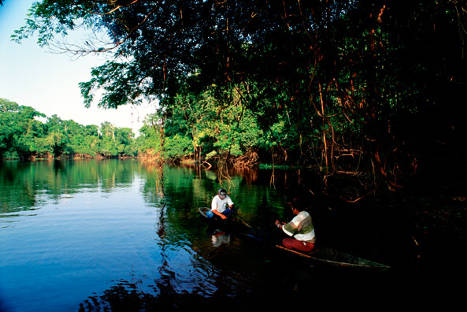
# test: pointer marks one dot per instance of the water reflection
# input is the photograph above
(27, 185)
(128, 297)
(23, 185)
(80, 226)
(69, 228)
(220, 237)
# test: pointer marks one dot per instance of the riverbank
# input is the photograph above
(68, 157)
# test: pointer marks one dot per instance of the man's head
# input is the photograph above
(293, 204)
(222, 193)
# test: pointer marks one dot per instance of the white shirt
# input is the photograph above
(219, 204)
(301, 227)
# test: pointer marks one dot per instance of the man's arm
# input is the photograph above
(230, 202)
(219, 214)
(290, 228)
(214, 208)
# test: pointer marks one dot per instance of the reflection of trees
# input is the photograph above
(164, 270)
(226, 174)
(248, 175)
(22, 184)
(127, 297)
(119, 298)
(154, 190)
(213, 279)
(177, 193)
(185, 191)
(152, 174)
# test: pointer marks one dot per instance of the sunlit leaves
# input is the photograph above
(24, 135)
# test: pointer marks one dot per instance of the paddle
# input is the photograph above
(293, 251)
(253, 232)
(243, 221)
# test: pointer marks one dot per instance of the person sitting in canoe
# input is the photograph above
(301, 228)
(221, 205)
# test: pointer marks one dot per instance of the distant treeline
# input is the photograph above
(28, 134)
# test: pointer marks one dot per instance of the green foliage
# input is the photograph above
(18, 128)
(149, 140)
(24, 136)
(209, 124)
(309, 79)
(178, 146)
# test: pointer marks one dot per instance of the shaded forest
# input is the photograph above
(346, 87)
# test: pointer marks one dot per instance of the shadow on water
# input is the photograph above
(128, 298)
(240, 273)
(292, 286)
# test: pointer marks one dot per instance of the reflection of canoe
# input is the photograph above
(334, 257)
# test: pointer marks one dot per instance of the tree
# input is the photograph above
(23, 134)
(323, 79)
(149, 141)
(57, 136)
(18, 128)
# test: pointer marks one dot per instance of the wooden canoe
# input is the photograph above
(330, 256)
(215, 220)
(203, 212)
(234, 222)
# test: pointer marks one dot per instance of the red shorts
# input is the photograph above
(292, 243)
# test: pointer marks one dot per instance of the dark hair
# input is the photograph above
(298, 203)
(221, 191)
(293, 201)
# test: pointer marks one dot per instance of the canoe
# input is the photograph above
(203, 212)
(327, 256)
(216, 220)
(234, 222)
(330, 256)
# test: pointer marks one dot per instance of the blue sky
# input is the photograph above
(32, 76)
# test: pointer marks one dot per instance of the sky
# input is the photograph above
(33, 76)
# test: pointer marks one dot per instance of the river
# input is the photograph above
(123, 236)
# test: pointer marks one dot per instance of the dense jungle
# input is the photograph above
(367, 95)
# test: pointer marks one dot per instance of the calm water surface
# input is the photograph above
(90, 235)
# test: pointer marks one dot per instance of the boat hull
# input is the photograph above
(330, 256)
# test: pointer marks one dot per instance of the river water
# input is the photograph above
(122, 236)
